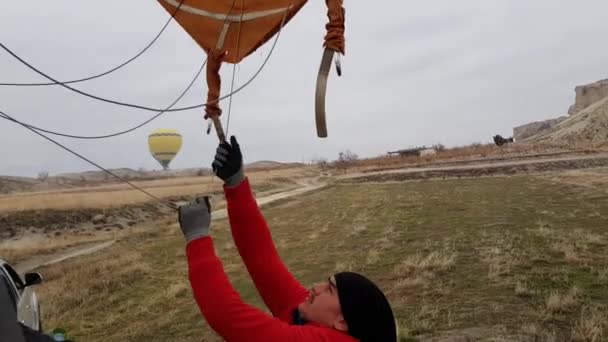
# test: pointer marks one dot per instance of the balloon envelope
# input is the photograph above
(164, 145)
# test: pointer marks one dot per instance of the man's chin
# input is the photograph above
(303, 307)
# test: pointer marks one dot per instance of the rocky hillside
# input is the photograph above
(14, 184)
(586, 127)
(64, 181)
(528, 130)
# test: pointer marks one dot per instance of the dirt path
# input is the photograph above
(44, 260)
(222, 213)
(483, 169)
(90, 248)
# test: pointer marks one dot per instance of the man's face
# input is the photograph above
(322, 306)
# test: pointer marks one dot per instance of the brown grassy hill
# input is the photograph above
(586, 129)
(268, 164)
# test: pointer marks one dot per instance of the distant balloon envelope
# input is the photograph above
(164, 144)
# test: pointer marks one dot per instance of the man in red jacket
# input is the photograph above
(347, 307)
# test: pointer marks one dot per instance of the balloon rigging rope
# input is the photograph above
(238, 46)
(168, 204)
(240, 88)
(36, 130)
(88, 78)
(92, 137)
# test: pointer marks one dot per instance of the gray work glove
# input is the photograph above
(195, 218)
(228, 163)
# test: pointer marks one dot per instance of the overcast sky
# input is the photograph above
(415, 73)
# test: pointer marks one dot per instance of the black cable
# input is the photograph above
(121, 132)
(130, 129)
(10, 118)
(144, 107)
(238, 45)
(160, 111)
(111, 70)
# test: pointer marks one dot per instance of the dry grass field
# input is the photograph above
(463, 154)
(521, 258)
(35, 224)
(116, 195)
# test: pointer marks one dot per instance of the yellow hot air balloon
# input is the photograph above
(164, 144)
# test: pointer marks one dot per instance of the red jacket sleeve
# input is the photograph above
(234, 320)
(277, 286)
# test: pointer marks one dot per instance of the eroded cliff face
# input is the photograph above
(586, 126)
(533, 128)
(587, 129)
(588, 94)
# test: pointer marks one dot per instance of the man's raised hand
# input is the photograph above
(228, 163)
(195, 218)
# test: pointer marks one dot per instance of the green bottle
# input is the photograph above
(59, 334)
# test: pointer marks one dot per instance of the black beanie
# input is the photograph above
(365, 309)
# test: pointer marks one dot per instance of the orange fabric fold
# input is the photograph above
(334, 39)
(214, 84)
(210, 22)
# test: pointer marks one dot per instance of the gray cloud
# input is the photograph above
(415, 73)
